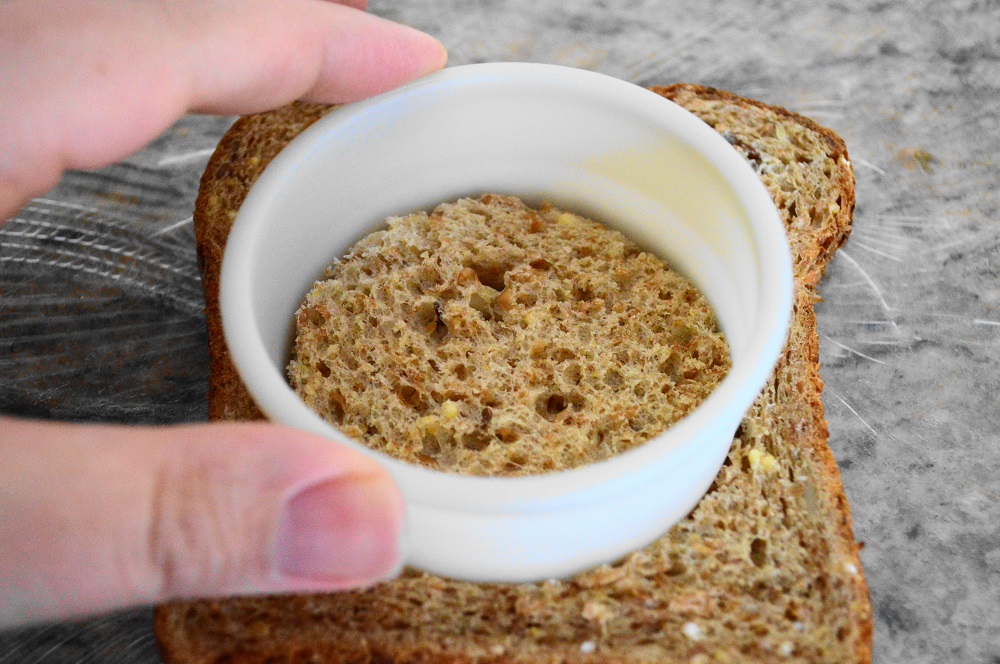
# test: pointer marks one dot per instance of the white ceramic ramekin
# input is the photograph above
(583, 141)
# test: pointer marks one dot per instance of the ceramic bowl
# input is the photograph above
(586, 142)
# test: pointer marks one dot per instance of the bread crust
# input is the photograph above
(811, 255)
(780, 455)
(239, 159)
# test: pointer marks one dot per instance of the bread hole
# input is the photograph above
(540, 264)
(476, 440)
(440, 330)
(425, 317)
(336, 404)
(672, 366)
(409, 396)
(446, 293)
(466, 277)
(549, 406)
(758, 551)
(681, 334)
(488, 398)
(483, 304)
(507, 434)
(639, 390)
(430, 447)
(429, 278)
(563, 354)
(486, 415)
(745, 465)
(460, 371)
(526, 299)
(584, 252)
(691, 373)
(677, 566)
(582, 294)
(430, 444)
(315, 317)
(622, 357)
(573, 373)
(613, 378)
(323, 369)
(516, 460)
(433, 365)
(490, 274)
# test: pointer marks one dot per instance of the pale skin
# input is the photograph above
(95, 518)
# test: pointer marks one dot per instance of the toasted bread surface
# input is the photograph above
(764, 569)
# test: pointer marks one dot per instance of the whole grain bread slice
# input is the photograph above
(764, 569)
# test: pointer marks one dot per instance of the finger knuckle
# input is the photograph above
(194, 536)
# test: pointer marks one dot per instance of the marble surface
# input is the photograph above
(100, 299)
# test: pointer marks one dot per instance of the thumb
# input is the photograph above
(94, 518)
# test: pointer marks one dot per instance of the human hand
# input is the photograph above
(94, 518)
(84, 83)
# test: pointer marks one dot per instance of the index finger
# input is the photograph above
(88, 82)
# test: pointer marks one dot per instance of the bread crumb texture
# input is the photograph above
(491, 338)
(765, 566)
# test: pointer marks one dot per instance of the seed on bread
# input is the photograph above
(491, 338)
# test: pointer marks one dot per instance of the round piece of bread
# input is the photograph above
(490, 338)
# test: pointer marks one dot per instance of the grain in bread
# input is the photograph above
(764, 569)
(491, 338)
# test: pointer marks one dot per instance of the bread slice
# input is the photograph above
(764, 569)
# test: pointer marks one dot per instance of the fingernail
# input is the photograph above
(344, 529)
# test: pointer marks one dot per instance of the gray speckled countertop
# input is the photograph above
(909, 326)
